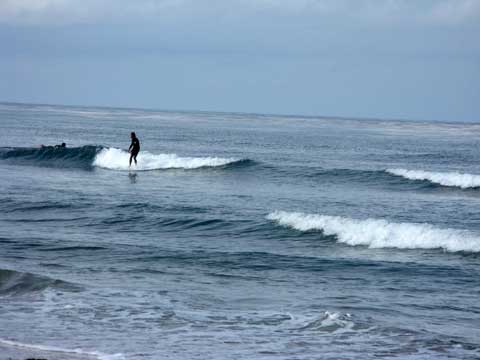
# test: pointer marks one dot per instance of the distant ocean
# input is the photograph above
(237, 236)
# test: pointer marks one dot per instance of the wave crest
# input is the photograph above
(117, 159)
(74, 157)
(377, 233)
(453, 179)
(14, 283)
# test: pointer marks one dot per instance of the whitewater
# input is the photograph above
(236, 236)
(379, 233)
(454, 179)
(117, 159)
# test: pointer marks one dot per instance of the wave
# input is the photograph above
(367, 177)
(88, 157)
(56, 351)
(377, 233)
(329, 322)
(451, 179)
(75, 157)
(117, 159)
(14, 283)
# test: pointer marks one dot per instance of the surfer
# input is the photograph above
(134, 148)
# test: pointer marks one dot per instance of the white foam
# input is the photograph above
(376, 233)
(95, 354)
(456, 179)
(328, 322)
(117, 159)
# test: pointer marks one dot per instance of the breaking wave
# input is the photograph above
(117, 159)
(14, 283)
(329, 322)
(377, 233)
(453, 179)
(88, 157)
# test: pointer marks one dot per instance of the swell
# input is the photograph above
(75, 157)
(449, 179)
(416, 179)
(89, 157)
(12, 205)
(15, 283)
(379, 233)
(226, 264)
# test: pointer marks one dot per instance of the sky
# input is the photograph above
(392, 59)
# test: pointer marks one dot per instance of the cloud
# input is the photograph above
(60, 12)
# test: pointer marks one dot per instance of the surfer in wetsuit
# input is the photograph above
(134, 148)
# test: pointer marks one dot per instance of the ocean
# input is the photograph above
(237, 236)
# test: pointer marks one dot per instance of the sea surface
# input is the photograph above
(237, 236)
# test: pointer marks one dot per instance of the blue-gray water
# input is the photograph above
(264, 237)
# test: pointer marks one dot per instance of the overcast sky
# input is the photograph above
(409, 59)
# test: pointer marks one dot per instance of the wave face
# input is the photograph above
(117, 159)
(376, 233)
(14, 283)
(453, 179)
(87, 157)
(75, 157)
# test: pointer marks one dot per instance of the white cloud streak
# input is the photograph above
(58, 12)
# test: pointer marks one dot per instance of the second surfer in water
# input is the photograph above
(134, 148)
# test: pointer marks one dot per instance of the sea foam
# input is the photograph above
(117, 159)
(455, 179)
(377, 233)
(60, 351)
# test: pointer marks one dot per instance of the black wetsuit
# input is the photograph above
(135, 146)
(134, 149)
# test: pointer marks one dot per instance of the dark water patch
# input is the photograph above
(210, 224)
(74, 248)
(192, 223)
(257, 261)
(239, 164)
(145, 206)
(226, 262)
(122, 219)
(50, 156)
(14, 283)
(47, 220)
(26, 245)
(21, 206)
(53, 265)
(228, 276)
(142, 271)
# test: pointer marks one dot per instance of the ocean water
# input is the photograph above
(237, 236)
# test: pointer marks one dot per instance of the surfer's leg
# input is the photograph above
(130, 161)
(135, 158)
